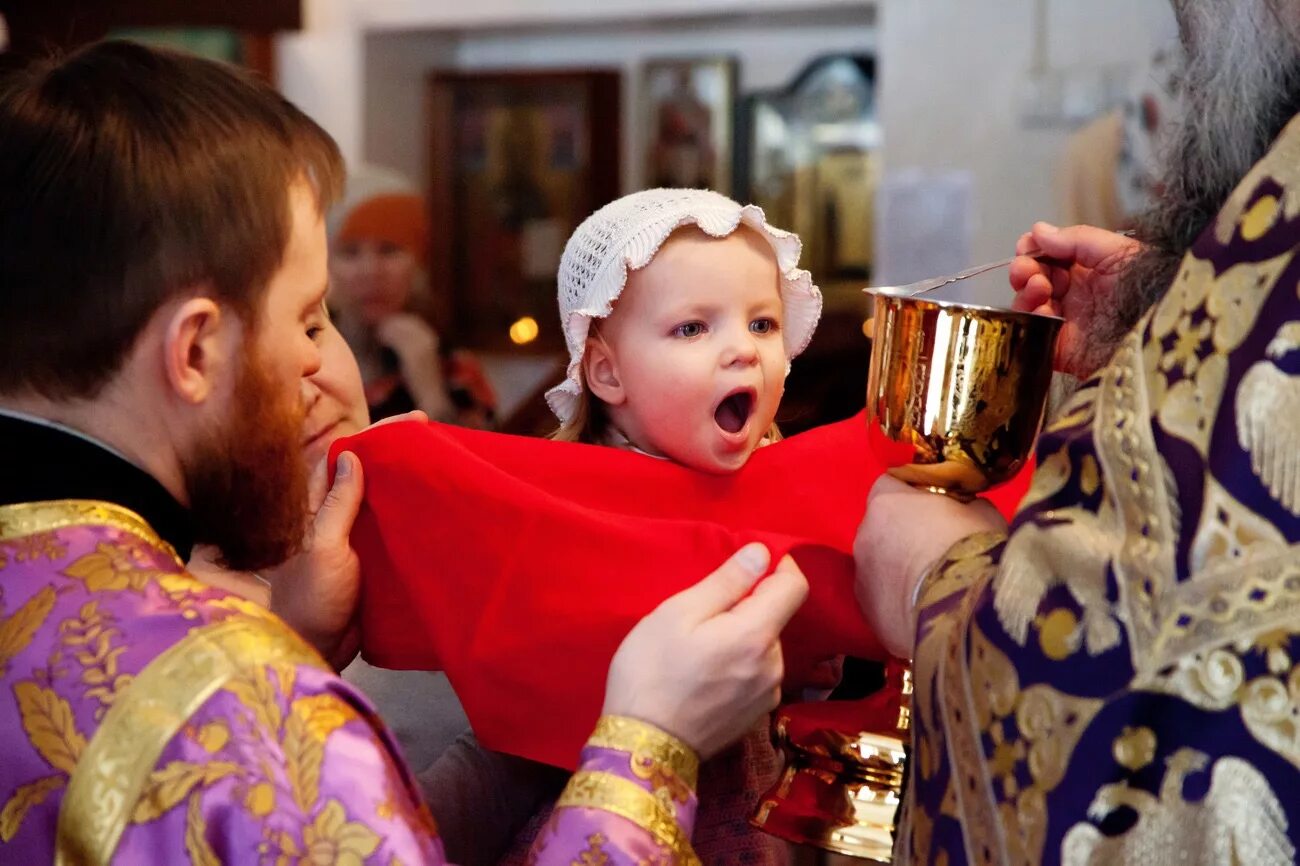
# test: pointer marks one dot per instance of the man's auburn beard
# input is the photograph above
(248, 481)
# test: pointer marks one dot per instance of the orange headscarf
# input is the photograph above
(398, 218)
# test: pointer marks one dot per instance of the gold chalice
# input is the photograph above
(955, 398)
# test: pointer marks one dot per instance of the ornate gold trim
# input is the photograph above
(647, 743)
(625, 798)
(29, 518)
(112, 772)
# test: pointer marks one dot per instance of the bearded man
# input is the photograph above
(1116, 679)
(162, 276)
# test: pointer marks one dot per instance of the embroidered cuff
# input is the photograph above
(657, 756)
(607, 792)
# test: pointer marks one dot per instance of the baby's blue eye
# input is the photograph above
(689, 330)
(762, 326)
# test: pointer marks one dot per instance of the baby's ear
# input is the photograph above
(601, 372)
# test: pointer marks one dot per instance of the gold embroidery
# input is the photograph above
(1260, 218)
(594, 855)
(1237, 297)
(260, 800)
(1191, 405)
(1049, 725)
(967, 561)
(1229, 533)
(47, 719)
(1072, 548)
(174, 782)
(1270, 708)
(1137, 508)
(117, 764)
(111, 567)
(311, 720)
(196, 836)
(18, 629)
(1239, 821)
(1247, 596)
(1134, 748)
(29, 518)
(1279, 165)
(24, 800)
(212, 737)
(656, 755)
(627, 799)
(41, 545)
(90, 640)
(1268, 420)
(333, 840)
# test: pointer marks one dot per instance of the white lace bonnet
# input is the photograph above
(625, 235)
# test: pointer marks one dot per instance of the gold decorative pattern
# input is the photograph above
(18, 629)
(594, 854)
(196, 838)
(1240, 820)
(29, 548)
(115, 769)
(1135, 484)
(50, 726)
(625, 798)
(29, 518)
(24, 800)
(333, 840)
(1268, 420)
(1135, 748)
(656, 755)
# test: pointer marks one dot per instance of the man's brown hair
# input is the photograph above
(129, 175)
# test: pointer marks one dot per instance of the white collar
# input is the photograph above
(615, 438)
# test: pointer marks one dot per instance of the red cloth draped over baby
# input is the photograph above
(518, 565)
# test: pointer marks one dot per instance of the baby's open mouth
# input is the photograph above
(733, 412)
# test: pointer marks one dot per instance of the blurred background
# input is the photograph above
(900, 138)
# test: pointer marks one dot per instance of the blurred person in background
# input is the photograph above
(380, 294)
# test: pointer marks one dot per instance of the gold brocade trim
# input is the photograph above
(29, 518)
(627, 799)
(647, 743)
(112, 772)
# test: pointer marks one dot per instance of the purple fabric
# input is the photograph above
(284, 760)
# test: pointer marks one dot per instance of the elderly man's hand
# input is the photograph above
(904, 533)
(706, 664)
(1076, 282)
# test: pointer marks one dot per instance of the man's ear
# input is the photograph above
(197, 348)
(601, 372)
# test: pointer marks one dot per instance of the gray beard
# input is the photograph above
(1240, 87)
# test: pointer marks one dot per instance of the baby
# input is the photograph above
(682, 310)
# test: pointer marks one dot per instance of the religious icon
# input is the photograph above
(688, 118)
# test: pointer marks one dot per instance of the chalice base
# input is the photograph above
(846, 806)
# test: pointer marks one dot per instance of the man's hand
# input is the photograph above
(316, 591)
(1075, 281)
(706, 664)
(904, 533)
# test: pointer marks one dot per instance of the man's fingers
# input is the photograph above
(731, 582)
(414, 415)
(339, 510)
(776, 598)
(1088, 246)
(318, 484)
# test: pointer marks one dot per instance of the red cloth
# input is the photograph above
(517, 565)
